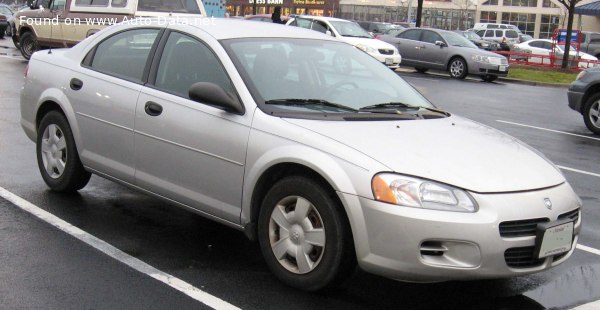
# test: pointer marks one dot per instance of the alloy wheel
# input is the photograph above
(54, 151)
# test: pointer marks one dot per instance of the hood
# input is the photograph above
(374, 43)
(452, 150)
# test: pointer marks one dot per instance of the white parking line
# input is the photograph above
(588, 249)
(546, 129)
(579, 171)
(117, 254)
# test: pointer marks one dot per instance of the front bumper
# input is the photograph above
(392, 61)
(419, 245)
(575, 95)
(481, 68)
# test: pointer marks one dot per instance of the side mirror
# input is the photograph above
(440, 44)
(214, 95)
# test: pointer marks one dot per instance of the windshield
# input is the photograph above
(455, 39)
(174, 6)
(288, 75)
(349, 29)
(471, 35)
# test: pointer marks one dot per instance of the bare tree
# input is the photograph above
(570, 7)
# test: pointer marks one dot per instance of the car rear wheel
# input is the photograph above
(591, 114)
(57, 156)
(304, 235)
(28, 44)
(488, 78)
(458, 68)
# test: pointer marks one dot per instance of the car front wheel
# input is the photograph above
(458, 68)
(304, 235)
(591, 114)
(57, 156)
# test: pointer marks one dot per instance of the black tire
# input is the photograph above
(421, 70)
(59, 155)
(28, 45)
(458, 68)
(333, 262)
(489, 78)
(591, 114)
(15, 39)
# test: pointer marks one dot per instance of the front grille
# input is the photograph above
(386, 52)
(522, 257)
(522, 228)
(573, 215)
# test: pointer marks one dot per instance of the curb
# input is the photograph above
(503, 79)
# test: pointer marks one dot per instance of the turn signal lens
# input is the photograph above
(382, 191)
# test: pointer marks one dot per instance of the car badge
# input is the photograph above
(548, 203)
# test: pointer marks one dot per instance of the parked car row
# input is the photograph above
(352, 33)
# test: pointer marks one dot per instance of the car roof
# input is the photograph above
(324, 18)
(230, 28)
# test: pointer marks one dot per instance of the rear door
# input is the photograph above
(104, 94)
(409, 45)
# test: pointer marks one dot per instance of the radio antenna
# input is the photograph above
(51, 26)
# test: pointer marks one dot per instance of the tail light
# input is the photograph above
(378, 36)
(2, 18)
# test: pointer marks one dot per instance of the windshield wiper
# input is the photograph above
(318, 102)
(392, 107)
(387, 107)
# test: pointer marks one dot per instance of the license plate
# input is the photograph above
(501, 68)
(554, 238)
(389, 61)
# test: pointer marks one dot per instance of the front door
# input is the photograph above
(187, 151)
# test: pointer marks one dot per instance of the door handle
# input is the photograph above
(76, 84)
(153, 108)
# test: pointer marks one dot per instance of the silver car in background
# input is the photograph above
(255, 126)
(443, 50)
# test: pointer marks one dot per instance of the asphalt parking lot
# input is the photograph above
(109, 247)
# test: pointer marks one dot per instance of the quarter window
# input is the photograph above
(186, 61)
(125, 54)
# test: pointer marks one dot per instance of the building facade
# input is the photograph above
(310, 7)
(537, 18)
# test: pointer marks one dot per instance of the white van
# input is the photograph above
(485, 26)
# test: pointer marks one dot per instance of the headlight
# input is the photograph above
(396, 51)
(484, 45)
(418, 193)
(581, 75)
(479, 58)
(365, 48)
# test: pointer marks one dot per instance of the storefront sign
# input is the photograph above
(266, 1)
(310, 2)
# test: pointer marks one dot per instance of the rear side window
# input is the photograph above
(410, 35)
(174, 6)
(511, 34)
(595, 38)
(539, 44)
(91, 2)
(125, 54)
(499, 33)
(302, 23)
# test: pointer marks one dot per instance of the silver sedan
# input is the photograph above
(443, 50)
(258, 127)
